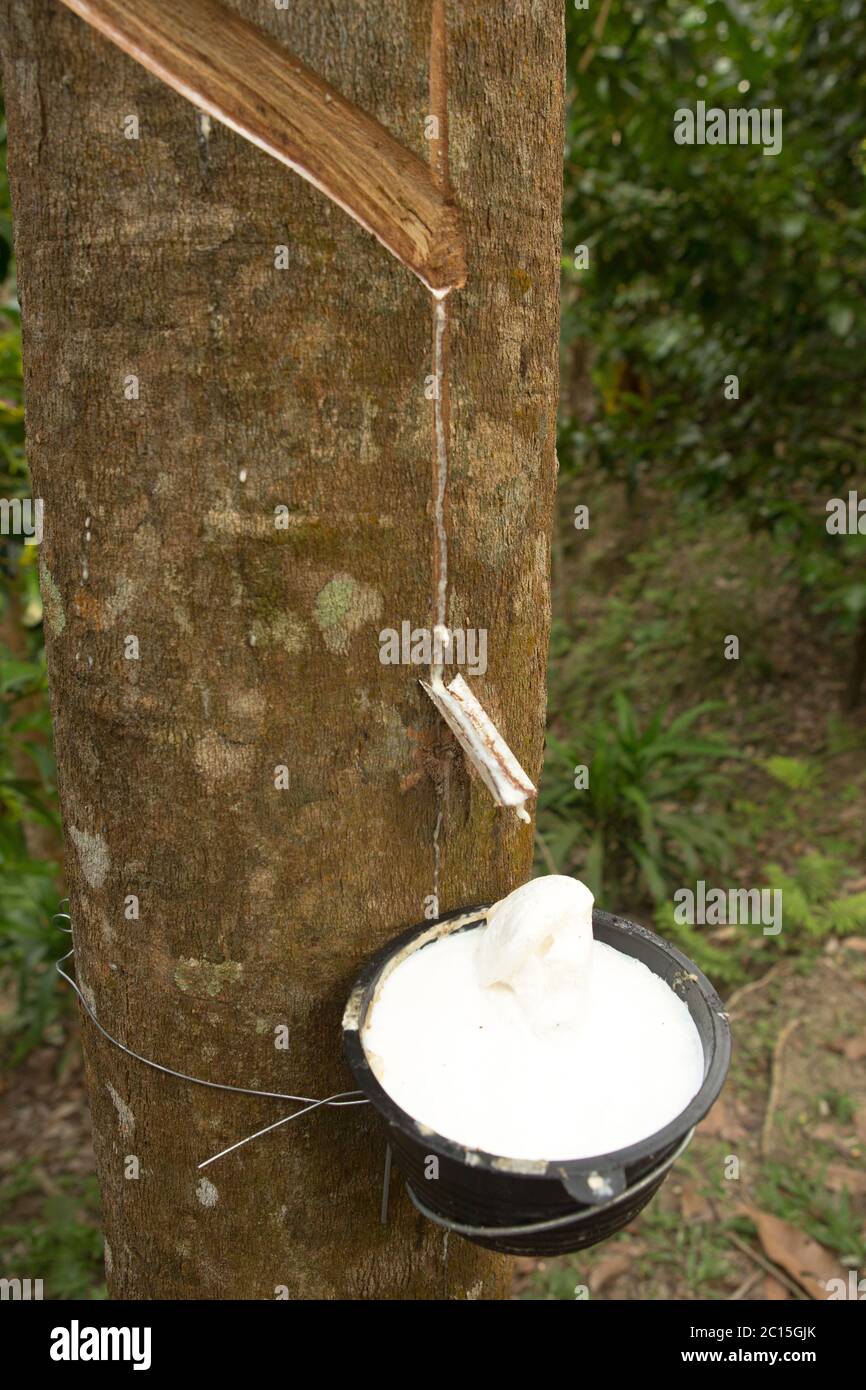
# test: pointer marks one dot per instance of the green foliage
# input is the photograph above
(648, 812)
(839, 1105)
(13, 468)
(695, 1252)
(711, 261)
(811, 904)
(804, 1201)
(795, 773)
(28, 898)
(725, 965)
(655, 616)
(847, 916)
(59, 1241)
(844, 737)
(813, 908)
(28, 884)
(830, 570)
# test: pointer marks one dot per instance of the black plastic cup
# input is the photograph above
(527, 1206)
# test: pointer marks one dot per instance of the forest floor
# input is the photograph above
(769, 1201)
(49, 1197)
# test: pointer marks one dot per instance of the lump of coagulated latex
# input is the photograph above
(528, 1039)
(538, 943)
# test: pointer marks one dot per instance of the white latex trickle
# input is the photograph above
(441, 535)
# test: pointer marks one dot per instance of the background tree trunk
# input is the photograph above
(259, 646)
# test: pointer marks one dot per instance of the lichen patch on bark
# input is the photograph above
(342, 607)
(124, 1112)
(93, 855)
(52, 602)
(283, 629)
(206, 1193)
(207, 977)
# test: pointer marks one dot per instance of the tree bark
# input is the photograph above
(857, 671)
(258, 646)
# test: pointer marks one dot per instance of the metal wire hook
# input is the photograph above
(308, 1103)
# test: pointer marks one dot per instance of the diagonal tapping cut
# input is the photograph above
(241, 76)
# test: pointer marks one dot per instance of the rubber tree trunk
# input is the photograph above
(197, 644)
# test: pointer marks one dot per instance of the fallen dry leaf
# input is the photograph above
(841, 1179)
(829, 1134)
(608, 1268)
(524, 1272)
(694, 1205)
(720, 1123)
(854, 943)
(725, 934)
(855, 1048)
(774, 1292)
(798, 1254)
(860, 1122)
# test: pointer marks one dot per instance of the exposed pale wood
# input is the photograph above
(240, 75)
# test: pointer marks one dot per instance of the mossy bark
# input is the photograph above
(256, 645)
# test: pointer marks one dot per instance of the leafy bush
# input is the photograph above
(28, 885)
(797, 774)
(811, 904)
(813, 908)
(61, 1243)
(28, 881)
(726, 965)
(647, 815)
(706, 263)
